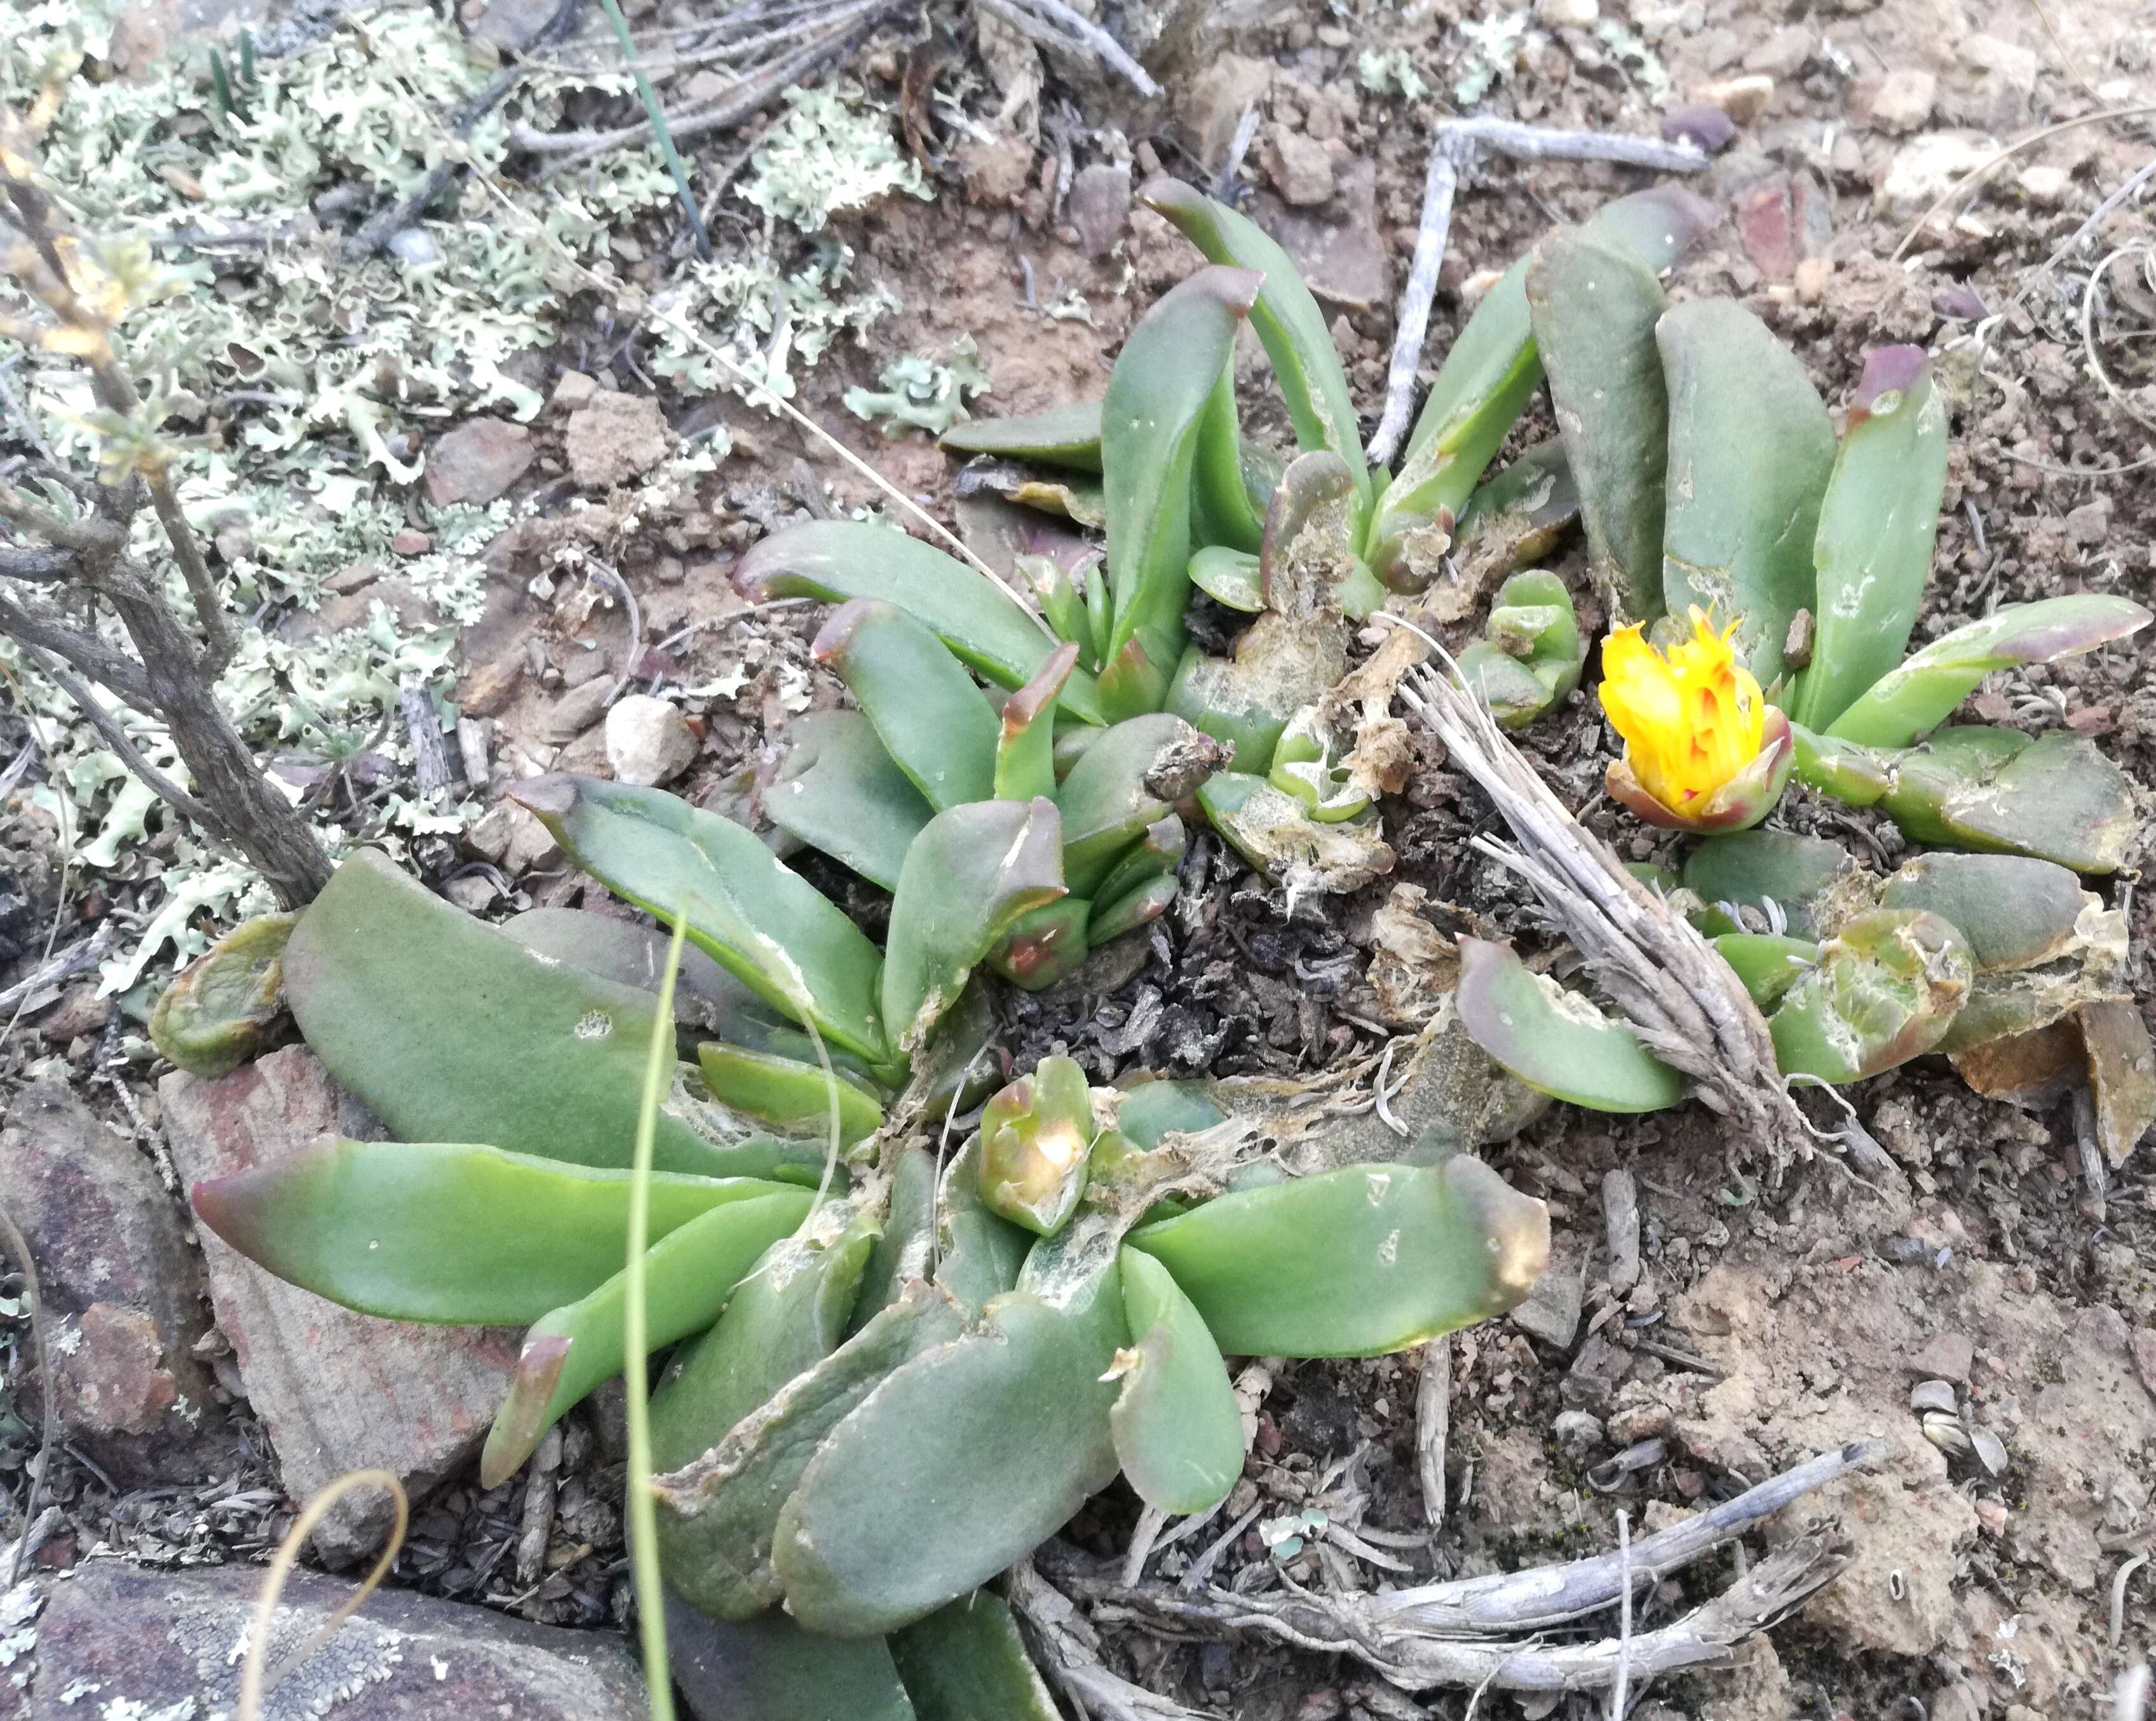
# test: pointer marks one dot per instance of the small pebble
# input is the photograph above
(1699, 124)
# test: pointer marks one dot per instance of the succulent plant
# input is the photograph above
(897, 1377)
(1305, 546)
(1973, 955)
(1709, 479)
(228, 1005)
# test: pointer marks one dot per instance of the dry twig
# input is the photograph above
(1441, 1634)
(1055, 24)
(1453, 151)
(1070, 1648)
(1676, 994)
(1434, 1425)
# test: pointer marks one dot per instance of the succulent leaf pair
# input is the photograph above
(887, 1395)
(1709, 477)
(1304, 546)
(1954, 953)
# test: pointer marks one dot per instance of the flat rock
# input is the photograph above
(1551, 1310)
(1948, 1357)
(477, 461)
(1215, 101)
(1904, 100)
(1337, 248)
(1099, 204)
(1924, 168)
(576, 711)
(649, 742)
(613, 438)
(1300, 167)
(124, 1289)
(337, 1391)
(116, 1639)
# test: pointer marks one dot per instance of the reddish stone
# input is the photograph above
(337, 1391)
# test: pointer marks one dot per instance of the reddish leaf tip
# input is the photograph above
(520, 1423)
(1023, 706)
(835, 638)
(1888, 370)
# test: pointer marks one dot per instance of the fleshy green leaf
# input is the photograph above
(1360, 1262)
(788, 1094)
(1593, 305)
(838, 559)
(771, 928)
(689, 1276)
(1750, 450)
(1492, 370)
(1754, 867)
(1222, 512)
(960, 1462)
(1108, 801)
(1034, 1136)
(1025, 747)
(1519, 515)
(979, 1255)
(1068, 435)
(1885, 989)
(1876, 533)
(717, 1512)
(932, 720)
(443, 1232)
(1229, 578)
(705, 996)
(2015, 911)
(1555, 1041)
(1153, 1110)
(1150, 422)
(784, 1320)
(787, 1317)
(971, 872)
(1178, 1429)
(840, 791)
(1768, 965)
(2057, 797)
(906, 1248)
(1112, 917)
(1045, 945)
(966, 1661)
(1296, 336)
(228, 1004)
(768, 1669)
(449, 1031)
(1158, 852)
(1922, 693)
(1532, 651)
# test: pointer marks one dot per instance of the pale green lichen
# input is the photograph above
(1493, 50)
(295, 389)
(1389, 71)
(831, 152)
(922, 394)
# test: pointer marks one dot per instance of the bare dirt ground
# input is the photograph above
(1779, 1312)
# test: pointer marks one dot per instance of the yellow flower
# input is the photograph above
(1701, 744)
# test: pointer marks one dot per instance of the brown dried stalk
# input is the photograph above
(175, 675)
(1681, 1000)
(1470, 1631)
